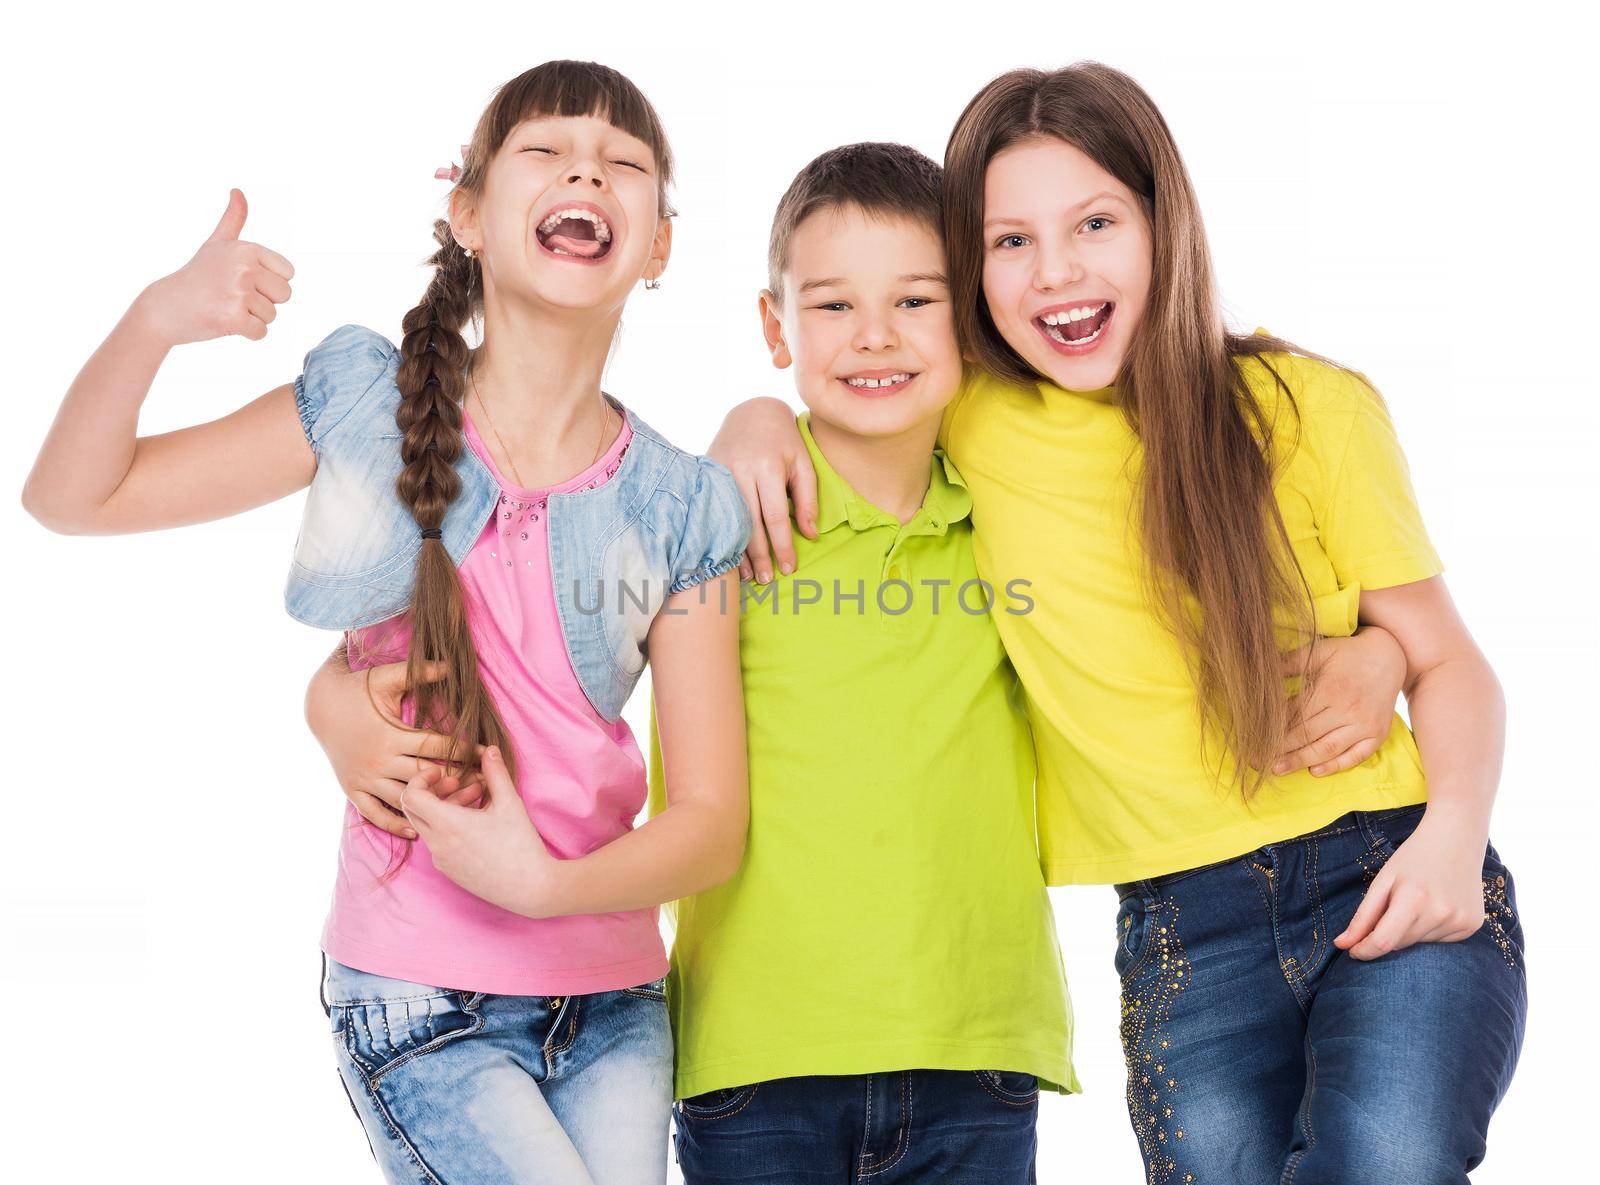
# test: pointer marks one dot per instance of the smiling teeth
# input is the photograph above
(873, 384)
(1065, 316)
(602, 228)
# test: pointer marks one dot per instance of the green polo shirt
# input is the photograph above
(890, 912)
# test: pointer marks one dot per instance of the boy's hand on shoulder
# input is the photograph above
(760, 445)
(229, 286)
(1346, 712)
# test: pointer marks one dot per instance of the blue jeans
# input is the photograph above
(465, 1088)
(960, 1127)
(1258, 1052)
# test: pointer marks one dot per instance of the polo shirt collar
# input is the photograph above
(948, 500)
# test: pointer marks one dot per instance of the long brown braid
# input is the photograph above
(431, 378)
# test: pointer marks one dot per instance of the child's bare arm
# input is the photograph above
(96, 475)
(496, 852)
(1430, 890)
(698, 841)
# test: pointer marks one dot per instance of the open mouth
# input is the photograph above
(1075, 329)
(878, 383)
(575, 231)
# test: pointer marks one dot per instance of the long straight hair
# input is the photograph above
(1220, 570)
(432, 382)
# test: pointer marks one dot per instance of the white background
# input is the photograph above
(1410, 195)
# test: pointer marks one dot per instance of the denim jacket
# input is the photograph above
(665, 521)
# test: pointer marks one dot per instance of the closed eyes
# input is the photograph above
(551, 151)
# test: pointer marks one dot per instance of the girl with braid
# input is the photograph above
(521, 541)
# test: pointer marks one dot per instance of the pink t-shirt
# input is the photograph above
(582, 780)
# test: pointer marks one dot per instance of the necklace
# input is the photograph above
(605, 420)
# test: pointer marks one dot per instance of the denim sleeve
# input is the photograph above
(715, 531)
(338, 371)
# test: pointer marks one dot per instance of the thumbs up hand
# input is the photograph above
(230, 286)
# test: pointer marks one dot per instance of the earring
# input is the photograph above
(653, 283)
(468, 250)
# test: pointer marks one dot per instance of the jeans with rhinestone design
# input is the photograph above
(1259, 1053)
(466, 1088)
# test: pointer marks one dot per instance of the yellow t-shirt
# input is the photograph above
(1126, 789)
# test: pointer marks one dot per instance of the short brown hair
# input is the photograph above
(889, 180)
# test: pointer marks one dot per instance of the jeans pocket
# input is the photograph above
(384, 1023)
(1384, 831)
(718, 1104)
(384, 1035)
(1009, 1086)
(1132, 922)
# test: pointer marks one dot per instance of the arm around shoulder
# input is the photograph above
(760, 445)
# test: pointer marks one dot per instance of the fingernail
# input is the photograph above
(764, 576)
(786, 568)
(1316, 771)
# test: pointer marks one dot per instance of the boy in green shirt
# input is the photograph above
(878, 991)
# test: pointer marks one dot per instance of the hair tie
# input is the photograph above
(431, 447)
(452, 171)
(432, 533)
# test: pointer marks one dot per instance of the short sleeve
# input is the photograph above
(338, 371)
(1371, 527)
(715, 530)
(947, 418)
